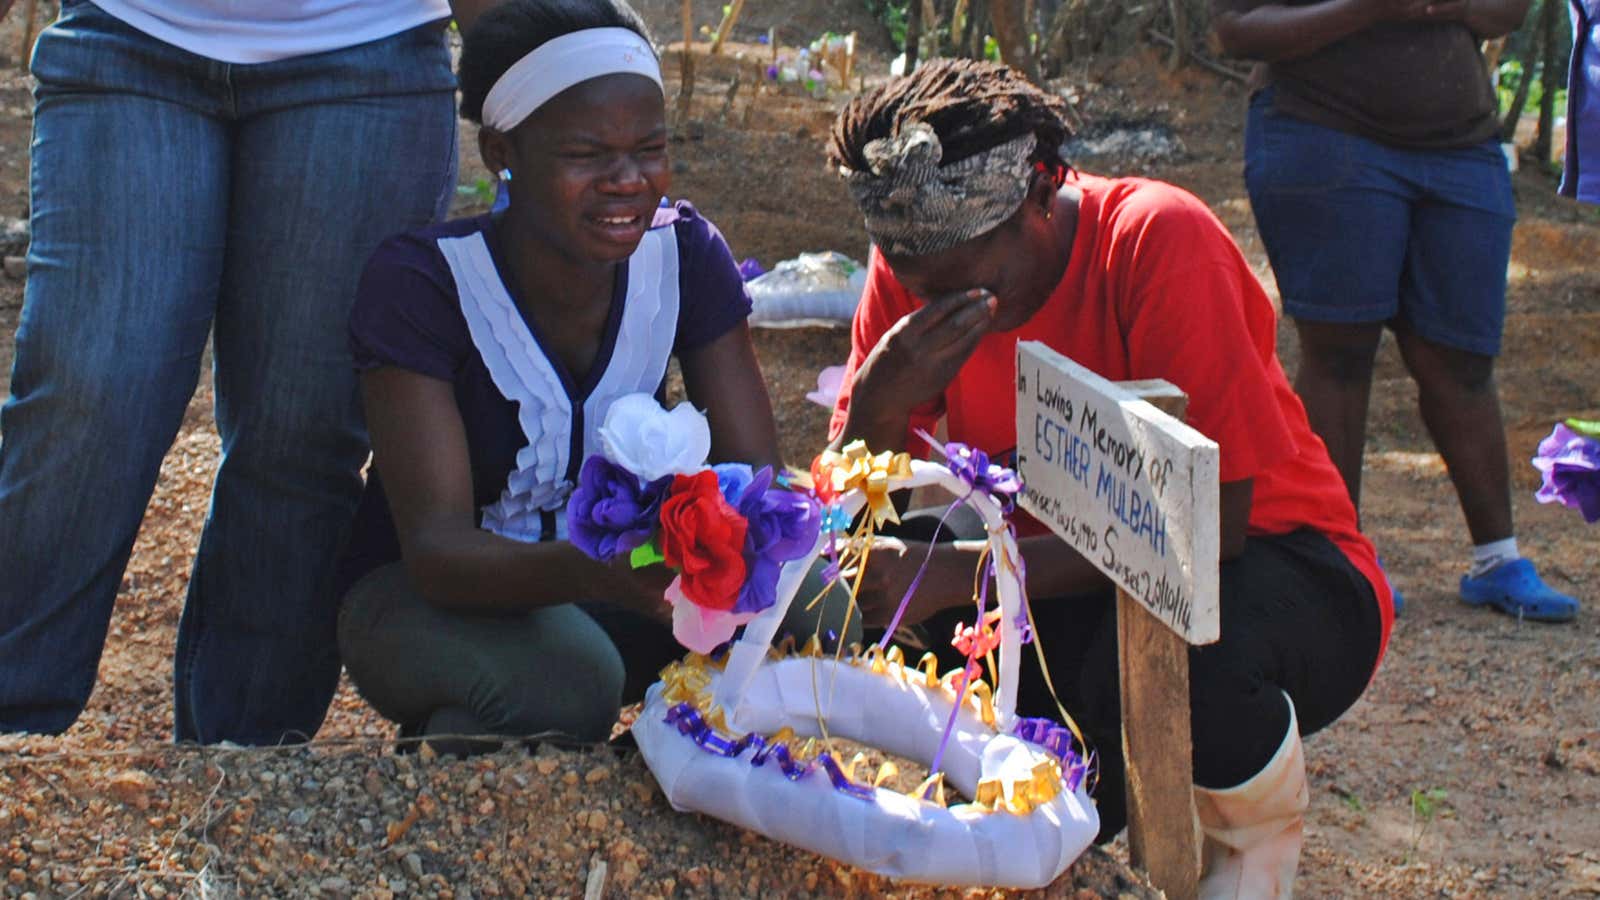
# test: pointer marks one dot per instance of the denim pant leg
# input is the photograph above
(128, 197)
(332, 153)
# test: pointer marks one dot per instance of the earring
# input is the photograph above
(503, 174)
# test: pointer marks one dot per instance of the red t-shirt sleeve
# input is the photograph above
(883, 303)
(1195, 315)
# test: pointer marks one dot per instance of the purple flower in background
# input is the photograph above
(1570, 463)
(751, 267)
(610, 512)
(782, 526)
(974, 467)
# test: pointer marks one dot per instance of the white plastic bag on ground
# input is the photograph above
(812, 289)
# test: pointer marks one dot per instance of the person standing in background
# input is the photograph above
(1581, 177)
(204, 168)
(1381, 194)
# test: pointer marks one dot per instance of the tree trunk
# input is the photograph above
(1551, 80)
(1084, 28)
(686, 74)
(1180, 36)
(913, 34)
(1519, 102)
(1011, 31)
(976, 27)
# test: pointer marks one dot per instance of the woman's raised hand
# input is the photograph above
(914, 360)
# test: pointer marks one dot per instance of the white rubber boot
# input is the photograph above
(1252, 833)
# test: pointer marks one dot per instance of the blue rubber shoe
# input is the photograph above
(1516, 590)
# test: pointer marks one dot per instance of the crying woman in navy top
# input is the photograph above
(490, 350)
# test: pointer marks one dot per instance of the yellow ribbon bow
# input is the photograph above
(856, 467)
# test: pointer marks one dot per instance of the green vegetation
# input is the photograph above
(1511, 73)
(1425, 804)
(482, 190)
(892, 13)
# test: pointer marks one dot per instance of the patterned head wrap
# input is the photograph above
(914, 206)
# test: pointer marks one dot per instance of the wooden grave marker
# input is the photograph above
(1135, 491)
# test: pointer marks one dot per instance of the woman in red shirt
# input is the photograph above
(983, 237)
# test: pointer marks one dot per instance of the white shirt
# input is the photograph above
(255, 31)
(533, 504)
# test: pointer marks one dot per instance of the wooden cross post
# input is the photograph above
(1154, 663)
(1135, 491)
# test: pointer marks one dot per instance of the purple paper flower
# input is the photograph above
(974, 467)
(751, 267)
(611, 512)
(782, 526)
(1570, 463)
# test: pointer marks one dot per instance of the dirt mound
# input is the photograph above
(354, 820)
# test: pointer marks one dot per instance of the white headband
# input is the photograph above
(558, 64)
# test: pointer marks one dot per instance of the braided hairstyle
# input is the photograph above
(510, 30)
(971, 105)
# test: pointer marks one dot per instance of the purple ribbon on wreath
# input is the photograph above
(980, 474)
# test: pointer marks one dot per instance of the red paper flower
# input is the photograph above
(703, 538)
(822, 478)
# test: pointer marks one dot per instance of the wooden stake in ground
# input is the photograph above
(686, 72)
(1134, 491)
(726, 25)
(1154, 667)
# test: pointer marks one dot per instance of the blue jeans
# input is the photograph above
(1361, 232)
(176, 197)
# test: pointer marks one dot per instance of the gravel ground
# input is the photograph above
(354, 820)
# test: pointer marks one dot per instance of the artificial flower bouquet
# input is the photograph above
(725, 529)
(1569, 461)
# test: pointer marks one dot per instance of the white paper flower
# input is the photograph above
(650, 441)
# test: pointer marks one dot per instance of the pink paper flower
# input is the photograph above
(829, 382)
(700, 628)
